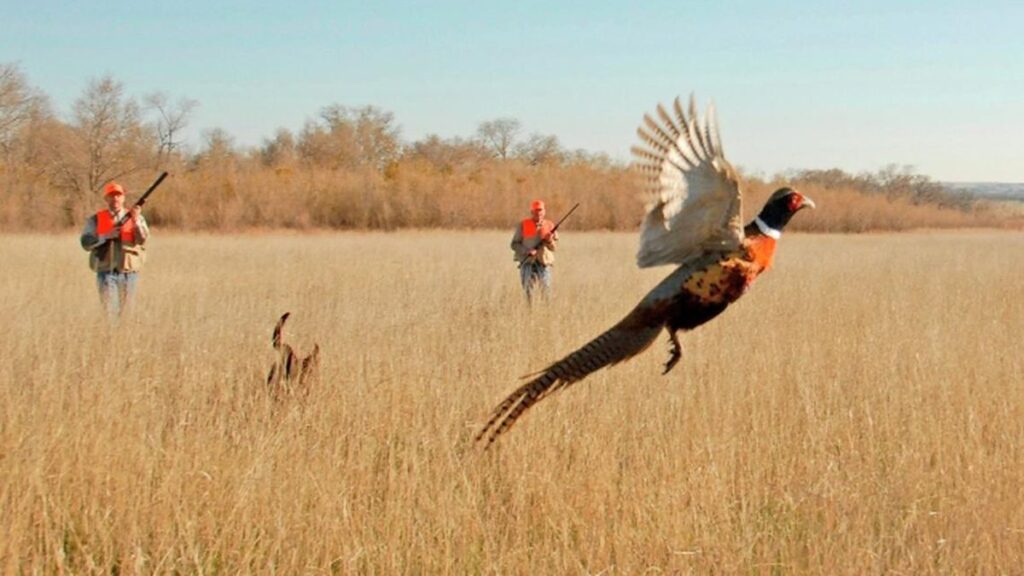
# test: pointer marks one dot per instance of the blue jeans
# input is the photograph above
(116, 290)
(535, 276)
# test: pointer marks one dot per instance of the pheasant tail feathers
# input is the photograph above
(619, 343)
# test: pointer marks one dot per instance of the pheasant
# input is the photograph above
(692, 220)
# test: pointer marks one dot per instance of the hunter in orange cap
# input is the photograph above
(534, 246)
(115, 238)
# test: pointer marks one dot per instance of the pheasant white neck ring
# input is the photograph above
(766, 229)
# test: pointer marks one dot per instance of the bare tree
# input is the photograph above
(499, 135)
(540, 149)
(372, 130)
(595, 160)
(279, 151)
(218, 150)
(19, 104)
(105, 140)
(330, 146)
(172, 119)
(377, 135)
(448, 155)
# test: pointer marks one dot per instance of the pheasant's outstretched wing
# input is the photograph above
(623, 341)
(694, 199)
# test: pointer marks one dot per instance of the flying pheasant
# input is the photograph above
(693, 220)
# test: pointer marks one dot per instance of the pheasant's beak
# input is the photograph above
(807, 203)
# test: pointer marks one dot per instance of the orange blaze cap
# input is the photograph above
(536, 205)
(112, 188)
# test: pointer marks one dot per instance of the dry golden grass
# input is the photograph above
(859, 412)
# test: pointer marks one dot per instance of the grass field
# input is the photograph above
(860, 411)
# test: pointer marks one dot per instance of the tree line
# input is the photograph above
(349, 168)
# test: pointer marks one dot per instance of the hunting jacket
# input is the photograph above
(122, 255)
(523, 243)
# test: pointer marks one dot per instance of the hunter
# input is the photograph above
(116, 253)
(534, 244)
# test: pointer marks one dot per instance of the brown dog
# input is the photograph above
(290, 376)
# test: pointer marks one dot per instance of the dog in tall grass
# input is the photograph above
(291, 375)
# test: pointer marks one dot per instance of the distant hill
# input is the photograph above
(992, 190)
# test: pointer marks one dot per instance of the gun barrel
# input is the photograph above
(571, 210)
(142, 199)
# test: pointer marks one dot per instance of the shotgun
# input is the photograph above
(142, 199)
(571, 210)
(554, 229)
(102, 248)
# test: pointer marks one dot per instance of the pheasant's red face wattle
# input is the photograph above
(796, 201)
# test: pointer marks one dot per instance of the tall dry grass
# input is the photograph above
(859, 412)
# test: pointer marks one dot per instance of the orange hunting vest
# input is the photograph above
(530, 227)
(105, 223)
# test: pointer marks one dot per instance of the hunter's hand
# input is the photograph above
(136, 211)
(532, 252)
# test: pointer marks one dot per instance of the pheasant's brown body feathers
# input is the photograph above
(693, 221)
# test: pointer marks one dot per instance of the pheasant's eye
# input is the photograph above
(795, 201)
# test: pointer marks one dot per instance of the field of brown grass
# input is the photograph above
(860, 411)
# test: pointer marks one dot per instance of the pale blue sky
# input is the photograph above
(936, 85)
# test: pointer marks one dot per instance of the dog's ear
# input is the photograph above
(313, 360)
(275, 338)
(310, 364)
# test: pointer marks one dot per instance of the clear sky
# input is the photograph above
(854, 85)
